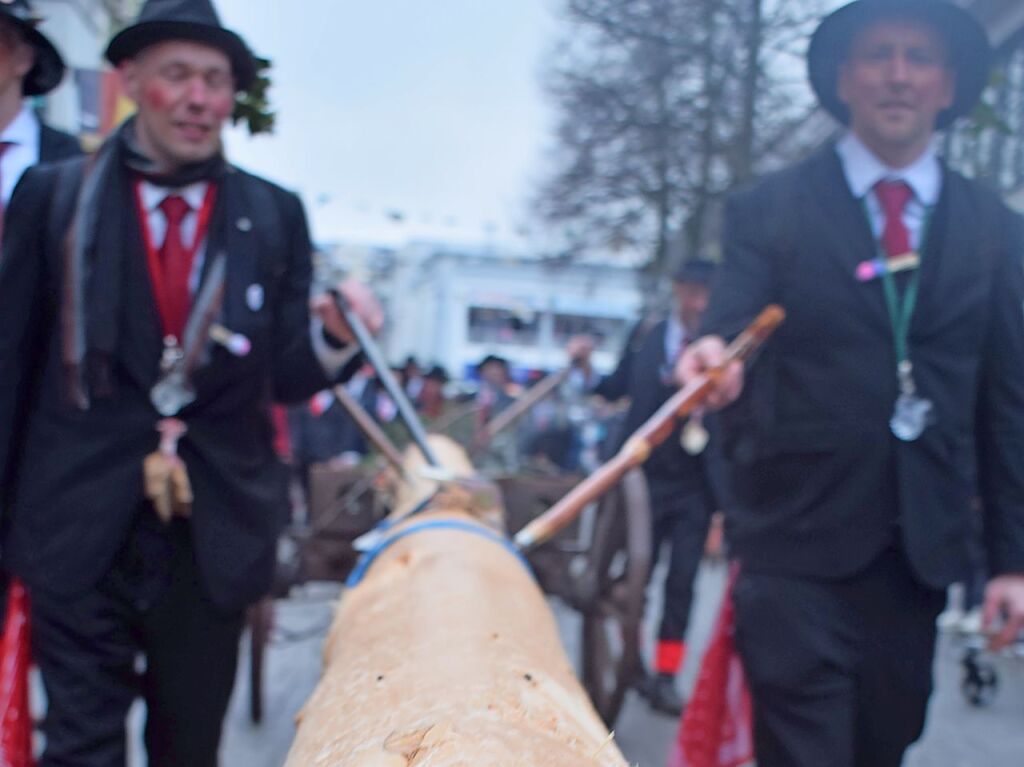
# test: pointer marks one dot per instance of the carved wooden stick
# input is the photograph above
(524, 404)
(369, 427)
(652, 433)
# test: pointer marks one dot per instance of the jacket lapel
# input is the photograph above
(141, 339)
(232, 236)
(847, 231)
(950, 261)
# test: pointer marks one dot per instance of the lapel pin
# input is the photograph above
(876, 267)
(254, 297)
(244, 224)
(236, 343)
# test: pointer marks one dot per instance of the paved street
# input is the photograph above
(958, 736)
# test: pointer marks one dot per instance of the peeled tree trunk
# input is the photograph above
(446, 654)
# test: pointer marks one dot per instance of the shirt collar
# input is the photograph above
(153, 195)
(23, 130)
(863, 170)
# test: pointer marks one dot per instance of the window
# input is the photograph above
(609, 332)
(503, 326)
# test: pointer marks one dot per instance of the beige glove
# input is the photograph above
(167, 486)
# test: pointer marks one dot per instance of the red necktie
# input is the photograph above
(893, 197)
(176, 263)
(4, 146)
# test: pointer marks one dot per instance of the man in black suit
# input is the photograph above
(29, 66)
(851, 443)
(155, 288)
(678, 472)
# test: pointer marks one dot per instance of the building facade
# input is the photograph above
(453, 306)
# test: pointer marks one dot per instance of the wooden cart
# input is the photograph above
(599, 566)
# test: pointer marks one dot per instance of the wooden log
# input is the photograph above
(446, 654)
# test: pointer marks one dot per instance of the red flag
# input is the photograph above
(15, 658)
(716, 729)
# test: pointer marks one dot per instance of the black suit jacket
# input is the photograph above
(821, 485)
(73, 479)
(641, 375)
(55, 145)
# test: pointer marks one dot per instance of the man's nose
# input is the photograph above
(899, 69)
(198, 93)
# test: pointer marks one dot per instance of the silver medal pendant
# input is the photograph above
(172, 393)
(910, 417)
(695, 437)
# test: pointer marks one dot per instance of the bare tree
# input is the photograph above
(666, 105)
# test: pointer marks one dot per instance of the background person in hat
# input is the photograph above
(29, 66)
(679, 478)
(851, 474)
(107, 334)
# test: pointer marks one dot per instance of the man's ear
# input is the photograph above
(842, 84)
(24, 58)
(129, 72)
(950, 95)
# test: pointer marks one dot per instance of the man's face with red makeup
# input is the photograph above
(184, 92)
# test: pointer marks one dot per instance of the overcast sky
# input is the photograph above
(430, 108)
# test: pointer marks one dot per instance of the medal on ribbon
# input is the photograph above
(695, 436)
(173, 391)
(912, 413)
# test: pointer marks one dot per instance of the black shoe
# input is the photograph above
(660, 692)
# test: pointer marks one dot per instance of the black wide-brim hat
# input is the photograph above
(970, 53)
(191, 20)
(48, 70)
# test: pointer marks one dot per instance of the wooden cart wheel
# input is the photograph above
(261, 619)
(613, 605)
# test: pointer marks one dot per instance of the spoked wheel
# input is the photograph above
(613, 602)
(261, 619)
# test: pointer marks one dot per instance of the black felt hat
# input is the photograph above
(48, 70)
(970, 53)
(697, 271)
(192, 20)
(437, 373)
(492, 358)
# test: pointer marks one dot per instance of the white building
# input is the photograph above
(454, 306)
(80, 30)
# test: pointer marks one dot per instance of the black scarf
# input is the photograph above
(99, 242)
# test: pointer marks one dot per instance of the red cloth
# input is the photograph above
(15, 658)
(282, 435)
(716, 729)
(669, 656)
(176, 262)
(893, 197)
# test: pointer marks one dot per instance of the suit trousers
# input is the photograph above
(147, 629)
(840, 671)
(681, 518)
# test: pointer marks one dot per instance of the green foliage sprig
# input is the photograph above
(253, 106)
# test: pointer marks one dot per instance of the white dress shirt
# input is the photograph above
(676, 335)
(23, 135)
(331, 360)
(863, 170)
(194, 194)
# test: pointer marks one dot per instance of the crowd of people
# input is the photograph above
(157, 304)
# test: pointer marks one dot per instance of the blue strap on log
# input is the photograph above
(368, 558)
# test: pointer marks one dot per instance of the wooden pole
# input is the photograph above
(447, 654)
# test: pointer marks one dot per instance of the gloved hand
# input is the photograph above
(167, 486)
